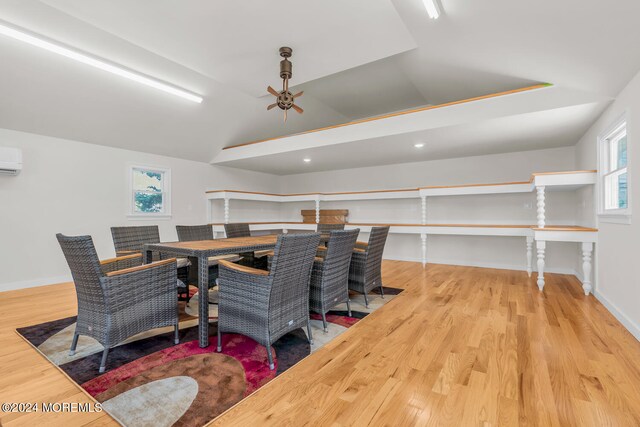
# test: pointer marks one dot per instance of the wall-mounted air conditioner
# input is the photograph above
(10, 161)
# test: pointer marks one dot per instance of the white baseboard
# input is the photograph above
(12, 286)
(494, 265)
(631, 326)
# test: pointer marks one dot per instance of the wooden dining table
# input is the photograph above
(203, 249)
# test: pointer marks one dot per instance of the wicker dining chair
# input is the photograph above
(326, 228)
(191, 233)
(365, 272)
(131, 240)
(115, 304)
(252, 259)
(265, 305)
(237, 229)
(330, 275)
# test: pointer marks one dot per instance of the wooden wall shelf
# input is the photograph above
(539, 183)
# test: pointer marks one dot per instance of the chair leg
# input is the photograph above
(349, 307)
(366, 301)
(219, 339)
(381, 292)
(74, 344)
(176, 337)
(309, 331)
(270, 357)
(103, 362)
(324, 322)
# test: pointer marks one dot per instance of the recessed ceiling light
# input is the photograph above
(40, 42)
(432, 8)
(306, 160)
(418, 145)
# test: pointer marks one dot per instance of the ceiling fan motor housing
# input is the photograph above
(285, 100)
(286, 68)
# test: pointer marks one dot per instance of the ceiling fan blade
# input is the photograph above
(272, 106)
(298, 94)
(285, 116)
(298, 109)
(272, 91)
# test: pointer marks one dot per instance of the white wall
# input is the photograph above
(467, 170)
(618, 249)
(76, 188)
(500, 252)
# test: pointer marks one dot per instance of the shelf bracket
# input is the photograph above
(423, 238)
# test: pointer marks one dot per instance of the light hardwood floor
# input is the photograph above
(461, 346)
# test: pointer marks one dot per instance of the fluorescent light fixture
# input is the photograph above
(96, 62)
(418, 145)
(306, 160)
(432, 8)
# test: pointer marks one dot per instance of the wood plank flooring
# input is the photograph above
(461, 346)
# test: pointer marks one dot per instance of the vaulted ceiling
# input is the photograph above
(353, 59)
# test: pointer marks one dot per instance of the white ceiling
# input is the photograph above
(236, 42)
(227, 51)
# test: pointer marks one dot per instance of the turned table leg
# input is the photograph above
(529, 255)
(587, 250)
(541, 245)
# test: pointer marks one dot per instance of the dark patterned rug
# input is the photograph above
(151, 382)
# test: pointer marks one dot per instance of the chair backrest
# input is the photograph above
(338, 258)
(291, 270)
(325, 228)
(84, 264)
(134, 238)
(238, 229)
(373, 264)
(190, 233)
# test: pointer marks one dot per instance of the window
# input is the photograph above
(150, 191)
(614, 175)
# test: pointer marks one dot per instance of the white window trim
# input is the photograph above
(614, 216)
(166, 214)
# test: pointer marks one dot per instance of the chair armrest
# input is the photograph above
(121, 262)
(141, 267)
(157, 281)
(125, 253)
(321, 251)
(358, 251)
(242, 268)
(362, 245)
(240, 282)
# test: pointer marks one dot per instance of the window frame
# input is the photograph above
(615, 215)
(166, 192)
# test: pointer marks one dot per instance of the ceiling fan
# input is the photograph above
(285, 99)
